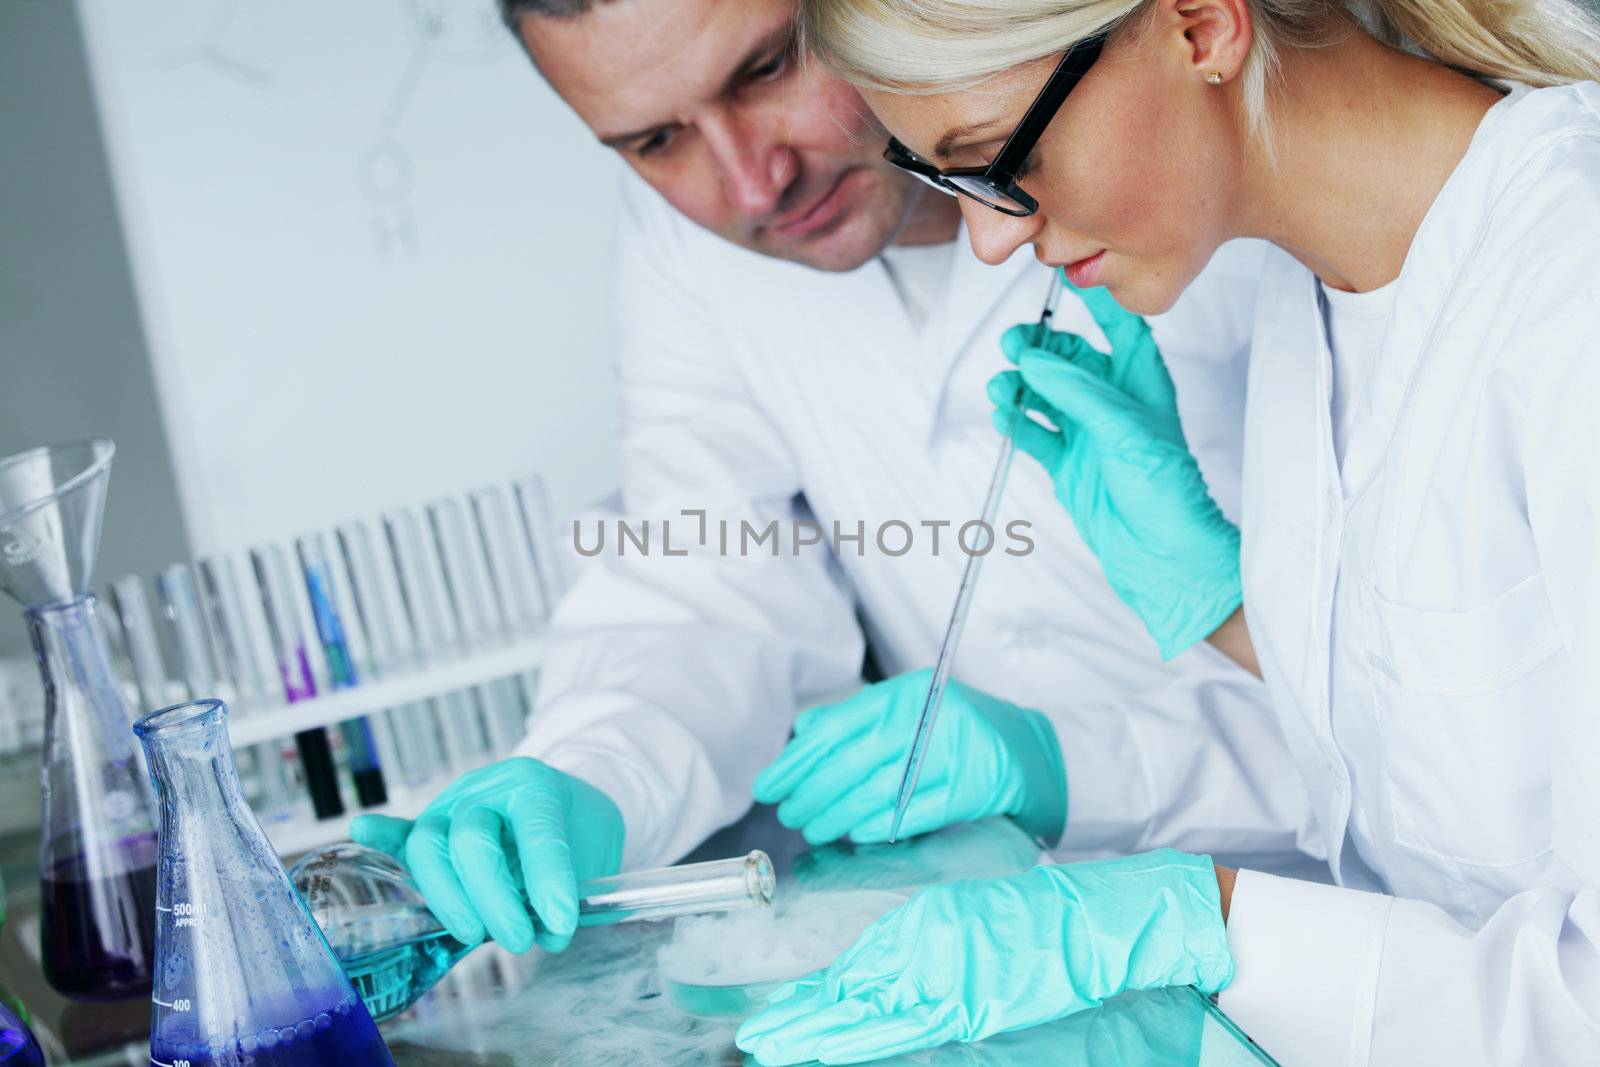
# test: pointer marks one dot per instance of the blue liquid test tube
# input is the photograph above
(365, 767)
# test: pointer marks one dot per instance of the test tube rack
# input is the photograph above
(434, 625)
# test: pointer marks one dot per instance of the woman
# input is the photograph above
(1421, 543)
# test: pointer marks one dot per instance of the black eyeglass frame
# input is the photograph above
(1000, 175)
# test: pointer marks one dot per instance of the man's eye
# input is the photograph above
(1024, 169)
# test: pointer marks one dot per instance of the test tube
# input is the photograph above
(422, 590)
(223, 609)
(511, 566)
(360, 746)
(389, 647)
(512, 576)
(271, 566)
(478, 615)
(181, 606)
(539, 528)
(132, 608)
(687, 889)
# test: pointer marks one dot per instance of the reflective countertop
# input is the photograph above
(604, 1000)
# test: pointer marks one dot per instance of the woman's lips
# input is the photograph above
(1085, 273)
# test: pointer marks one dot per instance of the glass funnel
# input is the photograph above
(97, 846)
(245, 977)
(395, 950)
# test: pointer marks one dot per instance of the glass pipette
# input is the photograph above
(969, 584)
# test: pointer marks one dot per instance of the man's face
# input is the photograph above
(709, 103)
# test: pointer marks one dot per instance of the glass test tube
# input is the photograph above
(435, 630)
(271, 566)
(132, 608)
(511, 565)
(360, 747)
(390, 649)
(539, 528)
(244, 617)
(512, 576)
(478, 617)
(223, 611)
(223, 605)
(688, 889)
(180, 604)
(324, 594)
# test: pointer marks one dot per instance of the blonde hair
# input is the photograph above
(922, 46)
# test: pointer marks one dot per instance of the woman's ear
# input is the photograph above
(1214, 36)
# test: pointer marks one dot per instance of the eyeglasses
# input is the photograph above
(995, 185)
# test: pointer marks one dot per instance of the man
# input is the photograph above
(804, 345)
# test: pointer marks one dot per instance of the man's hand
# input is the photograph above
(502, 849)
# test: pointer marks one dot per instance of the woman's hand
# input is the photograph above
(1115, 449)
(965, 960)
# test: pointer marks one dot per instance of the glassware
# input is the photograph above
(478, 619)
(239, 664)
(395, 950)
(511, 564)
(18, 1046)
(427, 608)
(97, 845)
(322, 592)
(538, 525)
(132, 608)
(389, 649)
(245, 977)
(294, 668)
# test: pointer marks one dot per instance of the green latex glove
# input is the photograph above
(964, 960)
(499, 841)
(840, 775)
(1123, 471)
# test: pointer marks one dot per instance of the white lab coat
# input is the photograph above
(1428, 629)
(747, 383)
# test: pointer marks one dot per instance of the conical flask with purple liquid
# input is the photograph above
(244, 977)
(97, 847)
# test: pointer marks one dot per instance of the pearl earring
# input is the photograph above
(1214, 77)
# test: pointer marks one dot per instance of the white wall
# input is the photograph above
(369, 247)
(72, 355)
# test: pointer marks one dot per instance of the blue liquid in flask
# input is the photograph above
(330, 1027)
(244, 978)
(18, 1047)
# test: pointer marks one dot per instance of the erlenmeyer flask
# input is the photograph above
(97, 848)
(244, 976)
(18, 1046)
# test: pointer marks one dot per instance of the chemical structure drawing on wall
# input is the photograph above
(436, 34)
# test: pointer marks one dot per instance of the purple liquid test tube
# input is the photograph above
(271, 566)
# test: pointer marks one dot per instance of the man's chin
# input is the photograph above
(859, 235)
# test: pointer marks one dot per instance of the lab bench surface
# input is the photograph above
(603, 1001)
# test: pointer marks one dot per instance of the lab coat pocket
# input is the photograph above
(1465, 700)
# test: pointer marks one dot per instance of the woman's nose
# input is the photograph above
(996, 235)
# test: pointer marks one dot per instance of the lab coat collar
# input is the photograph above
(972, 291)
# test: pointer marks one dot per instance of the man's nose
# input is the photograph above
(753, 158)
(994, 234)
